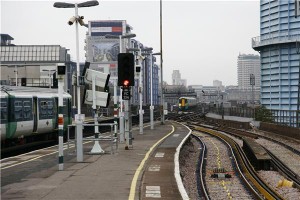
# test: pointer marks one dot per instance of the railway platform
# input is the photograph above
(145, 171)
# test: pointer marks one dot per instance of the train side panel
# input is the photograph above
(4, 114)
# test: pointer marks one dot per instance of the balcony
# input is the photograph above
(275, 38)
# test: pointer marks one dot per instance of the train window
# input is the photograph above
(46, 107)
(18, 110)
(50, 109)
(27, 108)
(3, 110)
(43, 110)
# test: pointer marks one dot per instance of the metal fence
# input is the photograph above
(281, 117)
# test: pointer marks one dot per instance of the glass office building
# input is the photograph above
(278, 45)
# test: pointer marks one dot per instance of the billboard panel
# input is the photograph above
(104, 27)
(106, 51)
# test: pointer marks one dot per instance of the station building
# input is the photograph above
(32, 65)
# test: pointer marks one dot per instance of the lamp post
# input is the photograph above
(49, 74)
(161, 66)
(121, 114)
(77, 19)
(140, 58)
(151, 88)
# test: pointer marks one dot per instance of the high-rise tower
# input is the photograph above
(279, 52)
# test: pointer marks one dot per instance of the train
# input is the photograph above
(186, 104)
(27, 112)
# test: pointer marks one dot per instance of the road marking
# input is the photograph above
(154, 168)
(159, 155)
(153, 191)
(175, 135)
(140, 168)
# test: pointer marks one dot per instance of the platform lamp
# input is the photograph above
(77, 19)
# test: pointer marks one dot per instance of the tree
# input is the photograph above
(263, 114)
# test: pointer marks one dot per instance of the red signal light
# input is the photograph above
(126, 83)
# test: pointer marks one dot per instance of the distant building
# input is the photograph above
(248, 64)
(218, 84)
(102, 53)
(32, 65)
(176, 77)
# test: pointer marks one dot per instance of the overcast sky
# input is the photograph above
(202, 39)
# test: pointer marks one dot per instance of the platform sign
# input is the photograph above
(126, 93)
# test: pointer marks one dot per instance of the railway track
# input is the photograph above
(223, 178)
(252, 179)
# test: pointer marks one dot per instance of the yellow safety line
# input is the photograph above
(141, 166)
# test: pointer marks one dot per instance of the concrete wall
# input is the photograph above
(281, 130)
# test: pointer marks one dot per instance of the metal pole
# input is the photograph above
(77, 55)
(79, 118)
(60, 125)
(161, 68)
(151, 93)
(298, 98)
(298, 101)
(96, 148)
(115, 108)
(121, 113)
(16, 72)
(141, 95)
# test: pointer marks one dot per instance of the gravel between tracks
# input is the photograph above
(273, 177)
(218, 188)
(189, 155)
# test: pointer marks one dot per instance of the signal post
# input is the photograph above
(125, 81)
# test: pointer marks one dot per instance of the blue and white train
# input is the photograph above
(28, 112)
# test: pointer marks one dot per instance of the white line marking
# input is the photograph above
(153, 191)
(154, 168)
(159, 155)
(175, 135)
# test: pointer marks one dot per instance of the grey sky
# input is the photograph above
(202, 39)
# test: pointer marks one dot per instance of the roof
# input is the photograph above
(6, 37)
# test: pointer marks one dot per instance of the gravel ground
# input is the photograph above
(188, 162)
(292, 143)
(272, 177)
(217, 157)
(291, 159)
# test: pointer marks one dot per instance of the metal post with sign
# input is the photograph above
(61, 71)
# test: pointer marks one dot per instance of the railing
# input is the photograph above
(281, 117)
(273, 38)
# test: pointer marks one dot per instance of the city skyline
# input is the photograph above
(202, 40)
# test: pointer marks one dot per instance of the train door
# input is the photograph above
(35, 114)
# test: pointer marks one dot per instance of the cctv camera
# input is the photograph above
(71, 20)
(81, 22)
